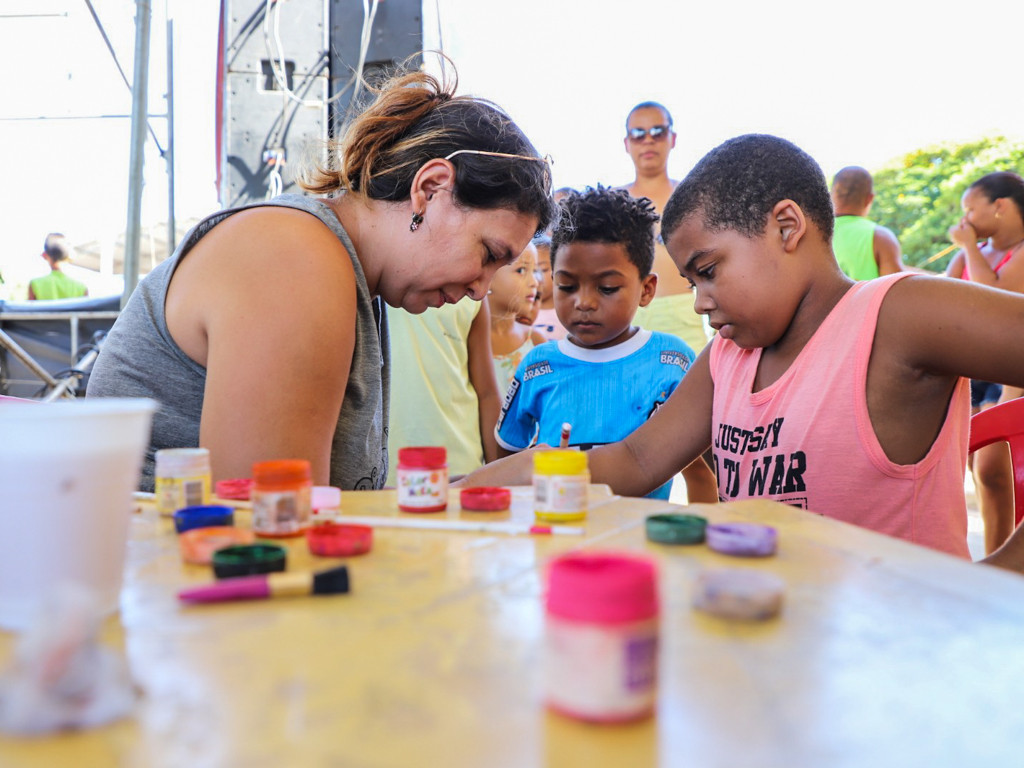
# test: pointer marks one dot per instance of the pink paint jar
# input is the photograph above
(601, 637)
(422, 477)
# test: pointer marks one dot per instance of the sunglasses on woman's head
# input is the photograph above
(656, 132)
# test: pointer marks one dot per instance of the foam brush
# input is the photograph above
(331, 582)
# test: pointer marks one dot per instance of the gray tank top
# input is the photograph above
(140, 359)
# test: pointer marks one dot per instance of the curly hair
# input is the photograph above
(416, 118)
(736, 185)
(605, 215)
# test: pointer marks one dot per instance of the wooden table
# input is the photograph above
(885, 654)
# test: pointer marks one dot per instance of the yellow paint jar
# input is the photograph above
(182, 479)
(560, 482)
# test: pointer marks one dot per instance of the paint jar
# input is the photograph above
(182, 479)
(601, 637)
(422, 479)
(560, 483)
(281, 497)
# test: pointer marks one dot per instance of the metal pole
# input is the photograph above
(172, 233)
(138, 141)
(6, 342)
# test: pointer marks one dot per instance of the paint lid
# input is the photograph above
(423, 457)
(676, 529)
(485, 499)
(186, 462)
(602, 587)
(281, 474)
(560, 462)
(248, 560)
(739, 593)
(337, 540)
(234, 488)
(742, 539)
(198, 545)
(203, 516)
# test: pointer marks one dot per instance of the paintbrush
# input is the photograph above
(446, 524)
(330, 582)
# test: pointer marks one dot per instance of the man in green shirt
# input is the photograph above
(863, 248)
(56, 285)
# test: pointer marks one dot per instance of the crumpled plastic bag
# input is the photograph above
(61, 677)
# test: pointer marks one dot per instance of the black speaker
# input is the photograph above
(286, 82)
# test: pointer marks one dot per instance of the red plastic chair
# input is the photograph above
(1004, 423)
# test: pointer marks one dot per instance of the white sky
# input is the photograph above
(860, 86)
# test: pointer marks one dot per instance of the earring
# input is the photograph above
(417, 219)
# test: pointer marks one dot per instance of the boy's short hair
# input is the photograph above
(736, 185)
(56, 247)
(853, 185)
(606, 215)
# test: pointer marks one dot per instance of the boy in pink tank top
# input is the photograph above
(847, 400)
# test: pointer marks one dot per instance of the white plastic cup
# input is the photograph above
(67, 473)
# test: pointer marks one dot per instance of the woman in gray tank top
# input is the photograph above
(263, 336)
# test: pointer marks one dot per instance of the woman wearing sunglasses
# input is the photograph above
(649, 140)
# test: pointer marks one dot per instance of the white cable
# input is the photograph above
(277, 57)
(277, 62)
(364, 45)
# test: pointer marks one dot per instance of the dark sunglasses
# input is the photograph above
(656, 132)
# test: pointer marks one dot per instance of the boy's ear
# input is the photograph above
(648, 286)
(433, 176)
(788, 223)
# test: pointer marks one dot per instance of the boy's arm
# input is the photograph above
(678, 433)
(930, 331)
(956, 328)
(481, 376)
(673, 437)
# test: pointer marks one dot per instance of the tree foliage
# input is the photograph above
(918, 195)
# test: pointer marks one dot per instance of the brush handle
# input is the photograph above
(238, 588)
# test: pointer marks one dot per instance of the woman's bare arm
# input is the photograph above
(266, 302)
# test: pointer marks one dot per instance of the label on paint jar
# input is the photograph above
(422, 490)
(174, 493)
(560, 497)
(601, 673)
(281, 513)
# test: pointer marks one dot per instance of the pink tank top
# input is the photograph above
(807, 439)
(966, 275)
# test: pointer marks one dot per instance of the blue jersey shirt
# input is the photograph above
(605, 394)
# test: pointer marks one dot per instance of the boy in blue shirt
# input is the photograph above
(607, 377)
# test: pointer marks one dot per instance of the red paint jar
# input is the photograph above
(601, 637)
(281, 497)
(422, 476)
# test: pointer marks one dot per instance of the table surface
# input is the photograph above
(885, 654)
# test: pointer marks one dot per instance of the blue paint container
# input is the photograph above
(187, 518)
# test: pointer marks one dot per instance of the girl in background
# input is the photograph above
(991, 238)
(513, 294)
(547, 322)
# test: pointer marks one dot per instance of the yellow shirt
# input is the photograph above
(432, 399)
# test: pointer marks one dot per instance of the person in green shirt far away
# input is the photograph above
(864, 249)
(56, 285)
